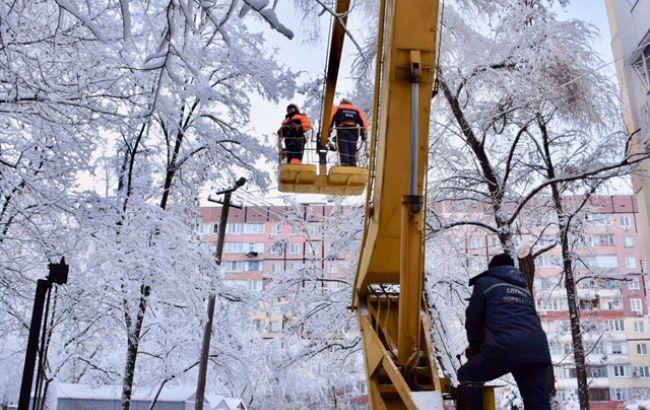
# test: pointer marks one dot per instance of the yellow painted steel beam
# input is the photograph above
(333, 65)
(408, 25)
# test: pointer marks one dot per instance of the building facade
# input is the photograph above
(612, 296)
(263, 242)
(629, 22)
(612, 285)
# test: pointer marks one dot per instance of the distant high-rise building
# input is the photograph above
(630, 28)
(263, 242)
(612, 283)
(612, 297)
(629, 22)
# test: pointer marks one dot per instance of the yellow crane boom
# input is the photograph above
(388, 296)
(400, 364)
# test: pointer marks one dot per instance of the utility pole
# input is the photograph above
(207, 333)
(58, 275)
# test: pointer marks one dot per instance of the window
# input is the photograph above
(639, 326)
(296, 248)
(626, 222)
(634, 284)
(556, 348)
(600, 219)
(547, 261)
(276, 267)
(254, 228)
(642, 371)
(641, 348)
(620, 394)
(233, 247)
(277, 229)
(557, 304)
(235, 228)
(204, 229)
(278, 248)
(614, 325)
(314, 230)
(602, 240)
(596, 371)
(642, 66)
(589, 304)
(334, 268)
(215, 228)
(597, 349)
(630, 262)
(253, 266)
(618, 371)
(629, 242)
(636, 305)
(275, 326)
(477, 242)
(258, 324)
(617, 348)
(296, 229)
(256, 247)
(599, 394)
(255, 285)
(477, 262)
(610, 284)
(614, 303)
(606, 261)
(234, 266)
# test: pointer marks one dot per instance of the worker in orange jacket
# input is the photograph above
(351, 123)
(294, 127)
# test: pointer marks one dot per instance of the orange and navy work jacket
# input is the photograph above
(298, 119)
(349, 115)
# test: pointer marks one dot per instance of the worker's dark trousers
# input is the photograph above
(533, 380)
(347, 145)
(294, 147)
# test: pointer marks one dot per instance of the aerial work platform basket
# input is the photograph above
(332, 170)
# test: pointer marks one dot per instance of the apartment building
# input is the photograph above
(263, 242)
(629, 22)
(612, 295)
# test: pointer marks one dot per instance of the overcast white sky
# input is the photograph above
(309, 56)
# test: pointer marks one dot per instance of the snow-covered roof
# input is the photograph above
(83, 391)
(234, 403)
(229, 403)
(168, 394)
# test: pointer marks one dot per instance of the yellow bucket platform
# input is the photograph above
(304, 178)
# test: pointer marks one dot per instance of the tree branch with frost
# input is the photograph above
(589, 174)
(84, 19)
(268, 14)
(341, 18)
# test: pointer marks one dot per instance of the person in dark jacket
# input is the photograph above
(505, 336)
(292, 132)
(350, 122)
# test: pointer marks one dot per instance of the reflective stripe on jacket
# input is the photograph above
(349, 115)
(298, 119)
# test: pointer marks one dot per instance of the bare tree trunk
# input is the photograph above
(133, 343)
(135, 329)
(569, 279)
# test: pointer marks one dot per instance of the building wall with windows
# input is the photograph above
(612, 295)
(630, 28)
(612, 287)
(629, 22)
(261, 243)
